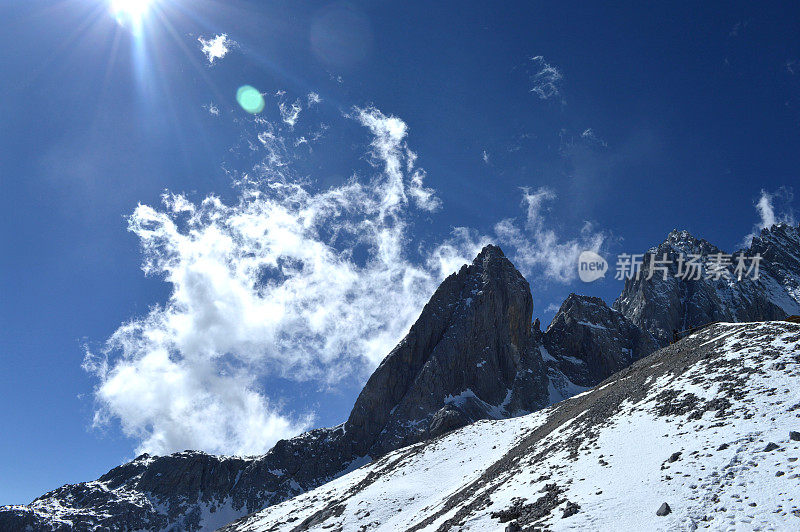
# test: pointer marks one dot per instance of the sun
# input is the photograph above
(130, 11)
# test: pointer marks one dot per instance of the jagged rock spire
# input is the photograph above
(469, 356)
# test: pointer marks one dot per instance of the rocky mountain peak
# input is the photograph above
(683, 242)
(778, 244)
(577, 307)
(587, 342)
(779, 274)
(678, 300)
(695, 428)
(469, 356)
(489, 253)
(780, 234)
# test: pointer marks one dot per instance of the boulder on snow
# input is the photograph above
(570, 509)
(770, 447)
(794, 436)
(663, 510)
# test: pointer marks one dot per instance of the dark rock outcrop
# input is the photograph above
(779, 279)
(546, 464)
(587, 342)
(469, 356)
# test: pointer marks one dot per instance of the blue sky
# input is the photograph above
(263, 314)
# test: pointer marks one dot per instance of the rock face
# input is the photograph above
(189, 490)
(470, 355)
(779, 246)
(587, 342)
(662, 305)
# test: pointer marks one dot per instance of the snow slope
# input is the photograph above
(702, 425)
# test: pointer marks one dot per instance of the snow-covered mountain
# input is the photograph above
(472, 355)
(662, 305)
(704, 434)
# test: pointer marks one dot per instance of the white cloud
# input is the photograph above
(270, 285)
(740, 25)
(485, 156)
(216, 48)
(538, 248)
(212, 109)
(313, 98)
(772, 208)
(546, 79)
(390, 151)
(290, 112)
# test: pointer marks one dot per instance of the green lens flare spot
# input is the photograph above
(250, 99)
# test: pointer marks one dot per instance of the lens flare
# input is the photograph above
(250, 99)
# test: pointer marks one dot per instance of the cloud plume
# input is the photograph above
(772, 208)
(537, 247)
(546, 79)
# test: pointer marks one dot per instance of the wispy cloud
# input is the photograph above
(546, 79)
(216, 47)
(390, 151)
(290, 112)
(552, 308)
(313, 98)
(485, 156)
(538, 249)
(772, 207)
(212, 109)
(591, 137)
(738, 27)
